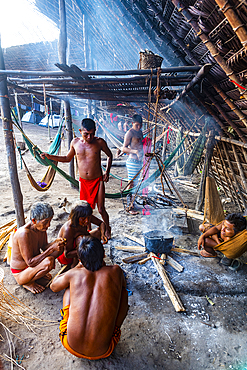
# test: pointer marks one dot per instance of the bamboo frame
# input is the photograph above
(243, 179)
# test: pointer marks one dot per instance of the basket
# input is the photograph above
(149, 60)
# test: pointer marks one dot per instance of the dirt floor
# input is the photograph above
(154, 336)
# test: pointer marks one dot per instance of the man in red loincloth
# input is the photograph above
(88, 152)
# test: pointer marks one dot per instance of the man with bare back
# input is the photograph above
(27, 263)
(95, 303)
(79, 225)
(88, 152)
(134, 147)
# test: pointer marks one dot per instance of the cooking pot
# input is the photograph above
(157, 241)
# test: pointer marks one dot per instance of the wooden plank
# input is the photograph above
(144, 260)
(136, 258)
(134, 239)
(168, 285)
(130, 248)
(170, 261)
(182, 250)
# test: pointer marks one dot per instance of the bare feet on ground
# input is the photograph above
(34, 288)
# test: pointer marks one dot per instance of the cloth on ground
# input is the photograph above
(63, 337)
(234, 247)
(89, 190)
(133, 167)
(64, 260)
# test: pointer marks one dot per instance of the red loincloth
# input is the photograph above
(64, 260)
(14, 271)
(89, 190)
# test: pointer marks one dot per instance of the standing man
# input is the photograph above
(95, 303)
(88, 152)
(134, 147)
(27, 263)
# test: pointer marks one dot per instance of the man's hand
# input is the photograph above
(58, 245)
(44, 155)
(106, 177)
(201, 242)
(102, 233)
(139, 154)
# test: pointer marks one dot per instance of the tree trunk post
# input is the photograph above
(10, 148)
(62, 47)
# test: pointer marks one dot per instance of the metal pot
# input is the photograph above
(158, 242)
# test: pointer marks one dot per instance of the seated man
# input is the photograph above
(95, 303)
(228, 237)
(27, 263)
(79, 222)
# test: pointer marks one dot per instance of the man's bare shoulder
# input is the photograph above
(76, 140)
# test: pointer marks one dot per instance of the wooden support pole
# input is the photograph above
(10, 148)
(208, 156)
(62, 48)
(178, 305)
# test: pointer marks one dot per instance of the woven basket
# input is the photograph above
(149, 60)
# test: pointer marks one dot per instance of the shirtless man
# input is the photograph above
(27, 263)
(88, 152)
(233, 224)
(95, 303)
(80, 220)
(134, 147)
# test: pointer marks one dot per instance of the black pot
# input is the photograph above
(158, 242)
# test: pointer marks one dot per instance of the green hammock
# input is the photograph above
(47, 162)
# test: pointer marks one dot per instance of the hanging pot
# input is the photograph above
(157, 241)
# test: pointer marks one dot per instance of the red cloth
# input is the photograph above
(89, 190)
(14, 271)
(64, 260)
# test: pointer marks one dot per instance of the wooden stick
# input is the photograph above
(168, 285)
(137, 240)
(170, 261)
(4, 241)
(162, 260)
(8, 231)
(136, 258)
(7, 224)
(130, 248)
(59, 272)
(182, 250)
(144, 260)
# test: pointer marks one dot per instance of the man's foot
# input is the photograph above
(108, 233)
(133, 212)
(34, 287)
(204, 253)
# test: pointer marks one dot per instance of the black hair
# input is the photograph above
(91, 253)
(137, 118)
(41, 211)
(88, 124)
(237, 220)
(80, 211)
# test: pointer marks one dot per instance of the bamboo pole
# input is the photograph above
(243, 179)
(229, 102)
(207, 42)
(228, 140)
(178, 305)
(10, 148)
(237, 25)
